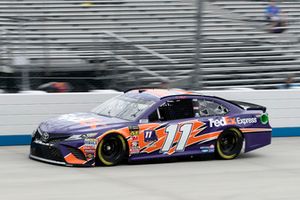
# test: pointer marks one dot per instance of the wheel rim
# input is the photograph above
(229, 144)
(111, 149)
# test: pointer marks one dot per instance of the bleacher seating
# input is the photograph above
(142, 42)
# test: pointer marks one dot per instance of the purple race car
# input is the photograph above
(152, 123)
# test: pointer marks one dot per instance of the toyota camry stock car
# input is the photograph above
(152, 123)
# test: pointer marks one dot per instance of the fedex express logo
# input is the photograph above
(231, 121)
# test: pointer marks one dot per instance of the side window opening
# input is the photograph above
(154, 116)
(209, 108)
(173, 109)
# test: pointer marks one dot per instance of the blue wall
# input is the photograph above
(9, 140)
(286, 132)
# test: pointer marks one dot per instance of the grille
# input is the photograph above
(46, 152)
(60, 136)
(53, 138)
(77, 153)
(55, 141)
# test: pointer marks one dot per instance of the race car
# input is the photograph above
(143, 124)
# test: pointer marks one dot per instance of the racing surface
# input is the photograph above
(271, 173)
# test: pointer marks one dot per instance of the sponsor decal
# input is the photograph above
(135, 138)
(221, 122)
(207, 149)
(135, 147)
(134, 151)
(264, 118)
(135, 144)
(92, 123)
(90, 142)
(77, 118)
(133, 130)
(231, 121)
(245, 121)
(134, 134)
(90, 156)
(89, 148)
(150, 136)
(204, 149)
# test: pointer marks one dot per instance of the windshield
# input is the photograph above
(123, 107)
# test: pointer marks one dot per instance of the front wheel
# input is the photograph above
(111, 150)
(229, 144)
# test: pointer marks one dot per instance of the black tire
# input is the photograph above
(111, 150)
(229, 144)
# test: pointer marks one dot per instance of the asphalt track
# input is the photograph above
(270, 173)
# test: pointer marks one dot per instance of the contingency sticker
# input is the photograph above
(134, 134)
(133, 130)
(89, 148)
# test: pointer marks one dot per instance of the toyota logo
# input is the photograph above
(45, 136)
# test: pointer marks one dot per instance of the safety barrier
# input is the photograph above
(21, 113)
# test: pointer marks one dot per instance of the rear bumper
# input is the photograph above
(257, 140)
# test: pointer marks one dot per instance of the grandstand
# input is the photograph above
(142, 42)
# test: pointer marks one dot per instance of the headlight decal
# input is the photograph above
(82, 136)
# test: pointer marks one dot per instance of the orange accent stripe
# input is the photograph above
(122, 131)
(71, 159)
(82, 148)
(252, 130)
(203, 137)
(158, 92)
(183, 91)
(164, 92)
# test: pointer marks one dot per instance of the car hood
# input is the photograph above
(80, 123)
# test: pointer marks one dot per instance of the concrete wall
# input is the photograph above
(20, 114)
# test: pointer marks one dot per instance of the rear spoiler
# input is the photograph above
(249, 106)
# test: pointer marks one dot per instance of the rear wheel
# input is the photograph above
(112, 150)
(229, 144)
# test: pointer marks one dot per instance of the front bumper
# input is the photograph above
(59, 154)
(46, 151)
(48, 161)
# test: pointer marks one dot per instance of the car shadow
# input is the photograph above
(198, 158)
(173, 160)
(202, 158)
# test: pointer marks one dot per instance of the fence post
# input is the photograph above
(197, 75)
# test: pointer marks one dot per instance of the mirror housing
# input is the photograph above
(144, 121)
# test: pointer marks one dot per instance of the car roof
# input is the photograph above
(161, 93)
(158, 94)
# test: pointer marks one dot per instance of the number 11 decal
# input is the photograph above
(171, 130)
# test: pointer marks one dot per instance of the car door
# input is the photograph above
(170, 130)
